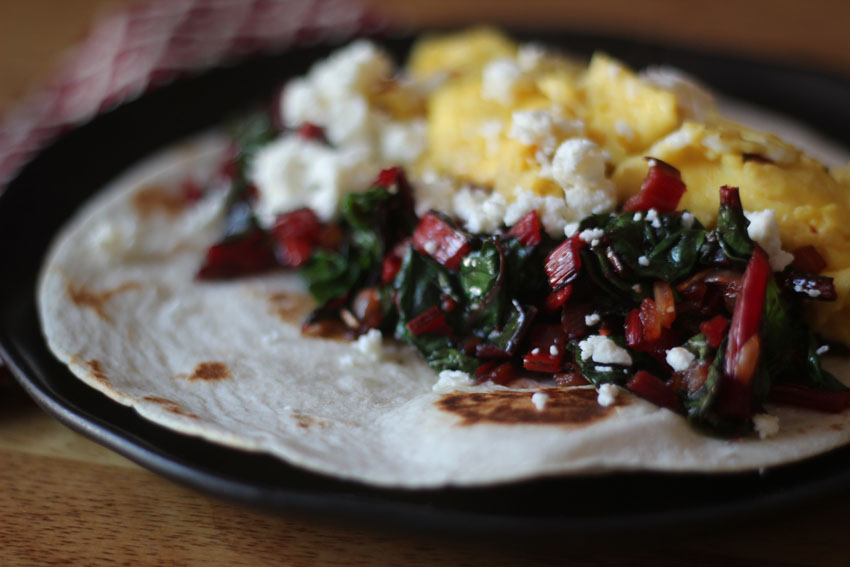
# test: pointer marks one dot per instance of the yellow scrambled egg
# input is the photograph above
(484, 78)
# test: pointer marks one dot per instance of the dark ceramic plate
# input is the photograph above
(64, 175)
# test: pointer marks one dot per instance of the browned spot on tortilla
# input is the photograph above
(210, 372)
(151, 200)
(837, 426)
(170, 406)
(291, 307)
(574, 406)
(306, 421)
(97, 371)
(96, 300)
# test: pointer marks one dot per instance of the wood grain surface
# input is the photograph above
(67, 501)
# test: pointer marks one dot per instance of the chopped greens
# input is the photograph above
(518, 304)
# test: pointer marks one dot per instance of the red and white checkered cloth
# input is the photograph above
(156, 41)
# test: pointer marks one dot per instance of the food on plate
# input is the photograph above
(589, 262)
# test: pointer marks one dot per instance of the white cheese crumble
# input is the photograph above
(481, 211)
(687, 220)
(680, 358)
(430, 247)
(499, 79)
(638, 217)
(651, 215)
(570, 229)
(764, 229)
(371, 345)
(450, 380)
(607, 395)
(591, 235)
(637, 288)
(810, 292)
(603, 350)
(694, 100)
(624, 130)
(291, 172)
(823, 349)
(403, 142)
(766, 425)
(544, 129)
(539, 400)
(553, 350)
(592, 319)
(643, 260)
(579, 168)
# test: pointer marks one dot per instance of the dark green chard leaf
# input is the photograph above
(525, 277)
(598, 373)
(249, 135)
(815, 371)
(330, 274)
(417, 288)
(732, 234)
(481, 275)
(507, 338)
(700, 406)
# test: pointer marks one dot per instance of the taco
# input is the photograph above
(483, 311)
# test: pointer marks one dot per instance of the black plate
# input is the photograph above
(51, 187)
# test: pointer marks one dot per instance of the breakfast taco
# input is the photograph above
(496, 264)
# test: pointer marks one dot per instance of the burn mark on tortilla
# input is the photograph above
(573, 406)
(97, 372)
(151, 200)
(210, 372)
(170, 406)
(291, 307)
(96, 300)
(305, 421)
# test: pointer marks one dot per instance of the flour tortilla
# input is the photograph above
(225, 361)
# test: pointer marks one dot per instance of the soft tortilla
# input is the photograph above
(226, 362)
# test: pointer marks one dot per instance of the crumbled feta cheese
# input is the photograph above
(643, 260)
(638, 217)
(553, 350)
(579, 168)
(823, 349)
(601, 368)
(764, 229)
(450, 380)
(656, 223)
(544, 129)
(651, 215)
(553, 211)
(766, 425)
(404, 142)
(603, 350)
(592, 319)
(694, 100)
(591, 234)
(430, 246)
(371, 345)
(680, 358)
(607, 395)
(570, 229)
(291, 172)
(687, 220)
(499, 79)
(624, 130)
(535, 350)
(539, 400)
(481, 211)
(637, 288)
(810, 292)
(529, 56)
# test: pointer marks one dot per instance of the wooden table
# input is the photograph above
(66, 501)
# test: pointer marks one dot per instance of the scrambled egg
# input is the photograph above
(501, 112)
